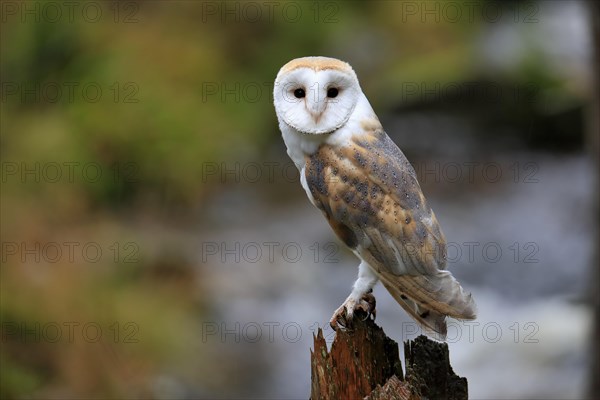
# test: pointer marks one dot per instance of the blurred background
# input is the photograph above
(156, 242)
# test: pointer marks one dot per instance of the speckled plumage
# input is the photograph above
(369, 193)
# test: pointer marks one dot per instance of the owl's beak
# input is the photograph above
(316, 110)
(316, 116)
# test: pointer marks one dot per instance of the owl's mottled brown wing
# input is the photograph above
(370, 196)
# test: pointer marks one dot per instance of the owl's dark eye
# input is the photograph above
(299, 93)
(332, 92)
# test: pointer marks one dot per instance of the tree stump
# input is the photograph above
(364, 363)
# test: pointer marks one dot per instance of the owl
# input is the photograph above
(368, 192)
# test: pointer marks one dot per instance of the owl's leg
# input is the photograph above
(360, 298)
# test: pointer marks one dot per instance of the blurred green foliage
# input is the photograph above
(156, 74)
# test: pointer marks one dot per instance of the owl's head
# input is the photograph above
(315, 95)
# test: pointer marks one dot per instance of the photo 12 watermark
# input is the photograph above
(249, 172)
(472, 172)
(69, 332)
(254, 91)
(269, 252)
(70, 12)
(236, 92)
(269, 12)
(85, 252)
(70, 92)
(489, 92)
(71, 172)
(438, 11)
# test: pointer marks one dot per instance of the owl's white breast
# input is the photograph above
(299, 144)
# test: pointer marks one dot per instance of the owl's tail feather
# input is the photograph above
(430, 298)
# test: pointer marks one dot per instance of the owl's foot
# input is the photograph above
(342, 317)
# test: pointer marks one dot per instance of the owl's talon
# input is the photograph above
(343, 324)
(343, 316)
(371, 303)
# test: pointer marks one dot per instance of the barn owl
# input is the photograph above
(368, 192)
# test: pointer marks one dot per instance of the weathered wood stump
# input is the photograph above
(364, 363)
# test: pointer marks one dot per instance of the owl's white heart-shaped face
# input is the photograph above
(315, 95)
